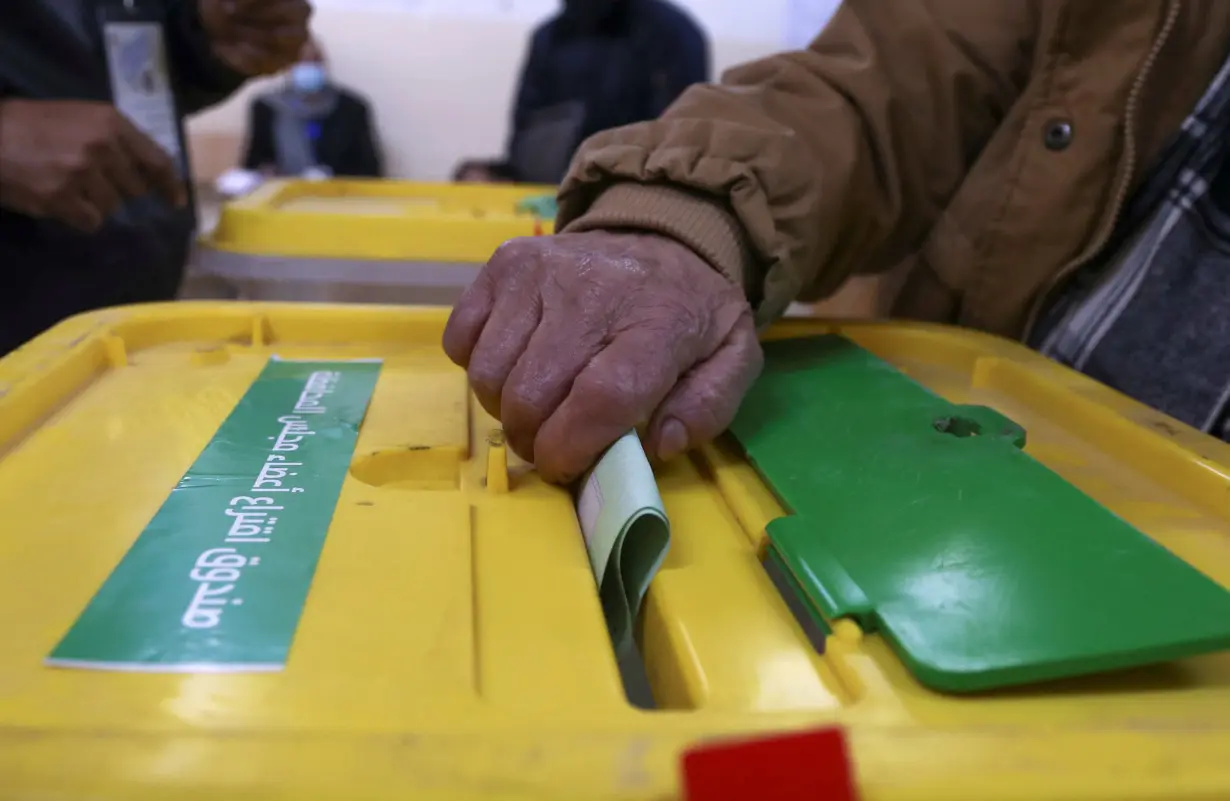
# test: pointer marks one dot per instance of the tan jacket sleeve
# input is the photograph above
(801, 169)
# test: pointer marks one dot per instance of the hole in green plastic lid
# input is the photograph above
(958, 426)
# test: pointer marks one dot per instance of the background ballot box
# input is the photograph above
(452, 645)
(365, 241)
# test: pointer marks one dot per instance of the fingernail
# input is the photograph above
(672, 440)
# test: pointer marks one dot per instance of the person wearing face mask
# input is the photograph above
(596, 65)
(312, 127)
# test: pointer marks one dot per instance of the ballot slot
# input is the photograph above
(716, 635)
(635, 677)
(752, 500)
(810, 621)
(626, 532)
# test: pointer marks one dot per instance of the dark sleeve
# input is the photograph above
(201, 80)
(693, 59)
(685, 62)
(259, 151)
(365, 155)
(534, 86)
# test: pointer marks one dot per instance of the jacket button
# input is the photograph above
(1057, 135)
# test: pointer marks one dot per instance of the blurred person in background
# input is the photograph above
(94, 202)
(597, 64)
(312, 127)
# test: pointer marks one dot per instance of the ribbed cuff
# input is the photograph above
(698, 222)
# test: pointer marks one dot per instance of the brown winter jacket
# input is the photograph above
(983, 148)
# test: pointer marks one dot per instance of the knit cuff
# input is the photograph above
(690, 218)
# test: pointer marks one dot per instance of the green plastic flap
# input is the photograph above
(541, 206)
(926, 522)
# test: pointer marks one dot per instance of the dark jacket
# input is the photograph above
(52, 50)
(629, 70)
(346, 143)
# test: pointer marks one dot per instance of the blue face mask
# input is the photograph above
(308, 77)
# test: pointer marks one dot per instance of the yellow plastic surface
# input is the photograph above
(453, 647)
(393, 220)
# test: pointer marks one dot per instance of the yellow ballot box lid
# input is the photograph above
(385, 220)
(452, 645)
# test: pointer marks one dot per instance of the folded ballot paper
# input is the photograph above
(626, 533)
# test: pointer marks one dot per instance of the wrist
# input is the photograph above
(690, 219)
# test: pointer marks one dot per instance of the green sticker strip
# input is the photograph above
(218, 579)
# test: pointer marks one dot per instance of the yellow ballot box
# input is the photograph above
(444, 640)
(365, 241)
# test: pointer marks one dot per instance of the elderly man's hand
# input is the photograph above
(573, 340)
(256, 37)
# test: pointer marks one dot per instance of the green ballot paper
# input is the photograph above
(626, 533)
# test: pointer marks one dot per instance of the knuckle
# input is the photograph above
(505, 250)
(454, 348)
(94, 149)
(750, 351)
(57, 189)
(512, 254)
(473, 295)
(509, 247)
(486, 378)
(755, 359)
(62, 192)
(561, 461)
(612, 392)
(522, 444)
(706, 410)
(521, 404)
(110, 127)
(559, 475)
(76, 163)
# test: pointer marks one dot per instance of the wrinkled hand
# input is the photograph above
(77, 162)
(573, 340)
(256, 37)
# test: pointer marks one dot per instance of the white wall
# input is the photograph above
(440, 73)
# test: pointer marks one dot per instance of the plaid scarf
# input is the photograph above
(1151, 317)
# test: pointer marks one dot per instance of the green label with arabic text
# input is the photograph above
(217, 580)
